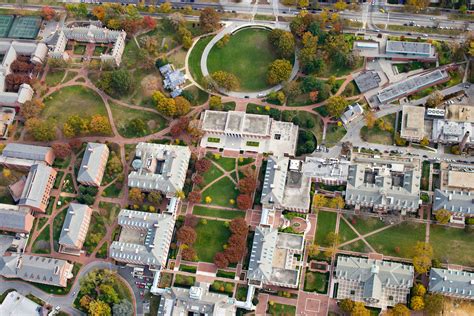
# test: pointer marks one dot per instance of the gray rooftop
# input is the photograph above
(15, 218)
(410, 85)
(412, 48)
(145, 237)
(274, 182)
(454, 201)
(367, 81)
(77, 216)
(452, 282)
(92, 162)
(36, 186)
(236, 122)
(23, 151)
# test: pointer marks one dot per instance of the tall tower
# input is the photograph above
(463, 142)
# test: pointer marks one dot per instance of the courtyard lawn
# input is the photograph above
(57, 227)
(73, 100)
(452, 245)
(228, 164)
(221, 192)
(334, 134)
(199, 96)
(247, 55)
(213, 212)
(276, 309)
(316, 282)
(398, 240)
(95, 234)
(123, 116)
(357, 246)
(378, 136)
(194, 61)
(53, 78)
(79, 49)
(211, 238)
(365, 225)
(41, 244)
(425, 176)
(346, 232)
(326, 224)
(210, 175)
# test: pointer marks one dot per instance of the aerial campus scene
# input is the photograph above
(236, 157)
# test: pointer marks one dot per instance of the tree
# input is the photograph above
(191, 220)
(220, 260)
(124, 308)
(418, 290)
(319, 201)
(340, 5)
(225, 80)
(332, 239)
(443, 216)
(165, 7)
(154, 197)
(370, 119)
(31, 109)
(417, 303)
(223, 41)
(189, 254)
(48, 13)
(197, 179)
(423, 253)
(434, 303)
(186, 235)
(99, 308)
(136, 196)
(337, 105)
(99, 124)
(346, 305)
(291, 89)
(137, 126)
(85, 301)
(283, 42)
(149, 22)
(244, 201)
(435, 99)
(313, 250)
(194, 197)
(247, 185)
(165, 105)
(202, 165)
(75, 125)
(279, 71)
(424, 141)
(61, 150)
(182, 106)
(238, 226)
(399, 310)
(417, 5)
(359, 310)
(215, 103)
(41, 130)
(336, 202)
(108, 294)
(209, 20)
(116, 83)
(114, 164)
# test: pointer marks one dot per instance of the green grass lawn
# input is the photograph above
(95, 233)
(334, 134)
(211, 238)
(102, 252)
(378, 136)
(345, 232)
(123, 115)
(68, 184)
(366, 225)
(221, 192)
(247, 55)
(211, 174)
(276, 309)
(225, 274)
(69, 76)
(53, 78)
(358, 246)
(57, 227)
(194, 61)
(245, 161)
(326, 224)
(228, 164)
(79, 49)
(57, 181)
(41, 244)
(452, 245)
(212, 212)
(200, 97)
(425, 176)
(73, 100)
(398, 240)
(184, 280)
(316, 282)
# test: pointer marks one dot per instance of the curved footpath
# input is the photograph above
(229, 29)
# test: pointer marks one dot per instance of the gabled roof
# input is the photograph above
(77, 216)
(261, 257)
(454, 201)
(36, 185)
(15, 218)
(92, 162)
(274, 182)
(29, 152)
(452, 282)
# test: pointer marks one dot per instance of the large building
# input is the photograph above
(457, 177)
(74, 230)
(9, 52)
(452, 132)
(159, 167)
(15, 219)
(327, 171)
(405, 50)
(376, 283)
(91, 34)
(16, 304)
(413, 123)
(22, 156)
(93, 164)
(275, 258)
(240, 131)
(453, 283)
(36, 269)
(197, 300)
(174, 80)
(386, 183)
(37, 187)
(144, 240)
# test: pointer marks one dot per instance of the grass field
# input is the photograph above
(345, 232)
(53, 78)
(247, 55)
(211, 174)
(221, 192)
(459, 251)
(194, 61)
(378, 136)
(316, 282)
(213, 212)
(398, 240)
(365, 225)
(211, 238)
(275, 309)
(228, 164)
(123, 115)
(326, 224)
(73, 100)
(334, 134)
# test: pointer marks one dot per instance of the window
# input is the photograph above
(353, 292)
(277, 136)
(390, 298)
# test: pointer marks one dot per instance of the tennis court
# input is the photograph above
(26, 27)
(5, 24)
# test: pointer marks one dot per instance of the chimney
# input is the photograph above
(464, 140)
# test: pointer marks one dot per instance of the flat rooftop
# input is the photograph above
(236, 122)
(367, 81)
(413, 119)
(461, 113)
(461, 179)
(402, 47)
